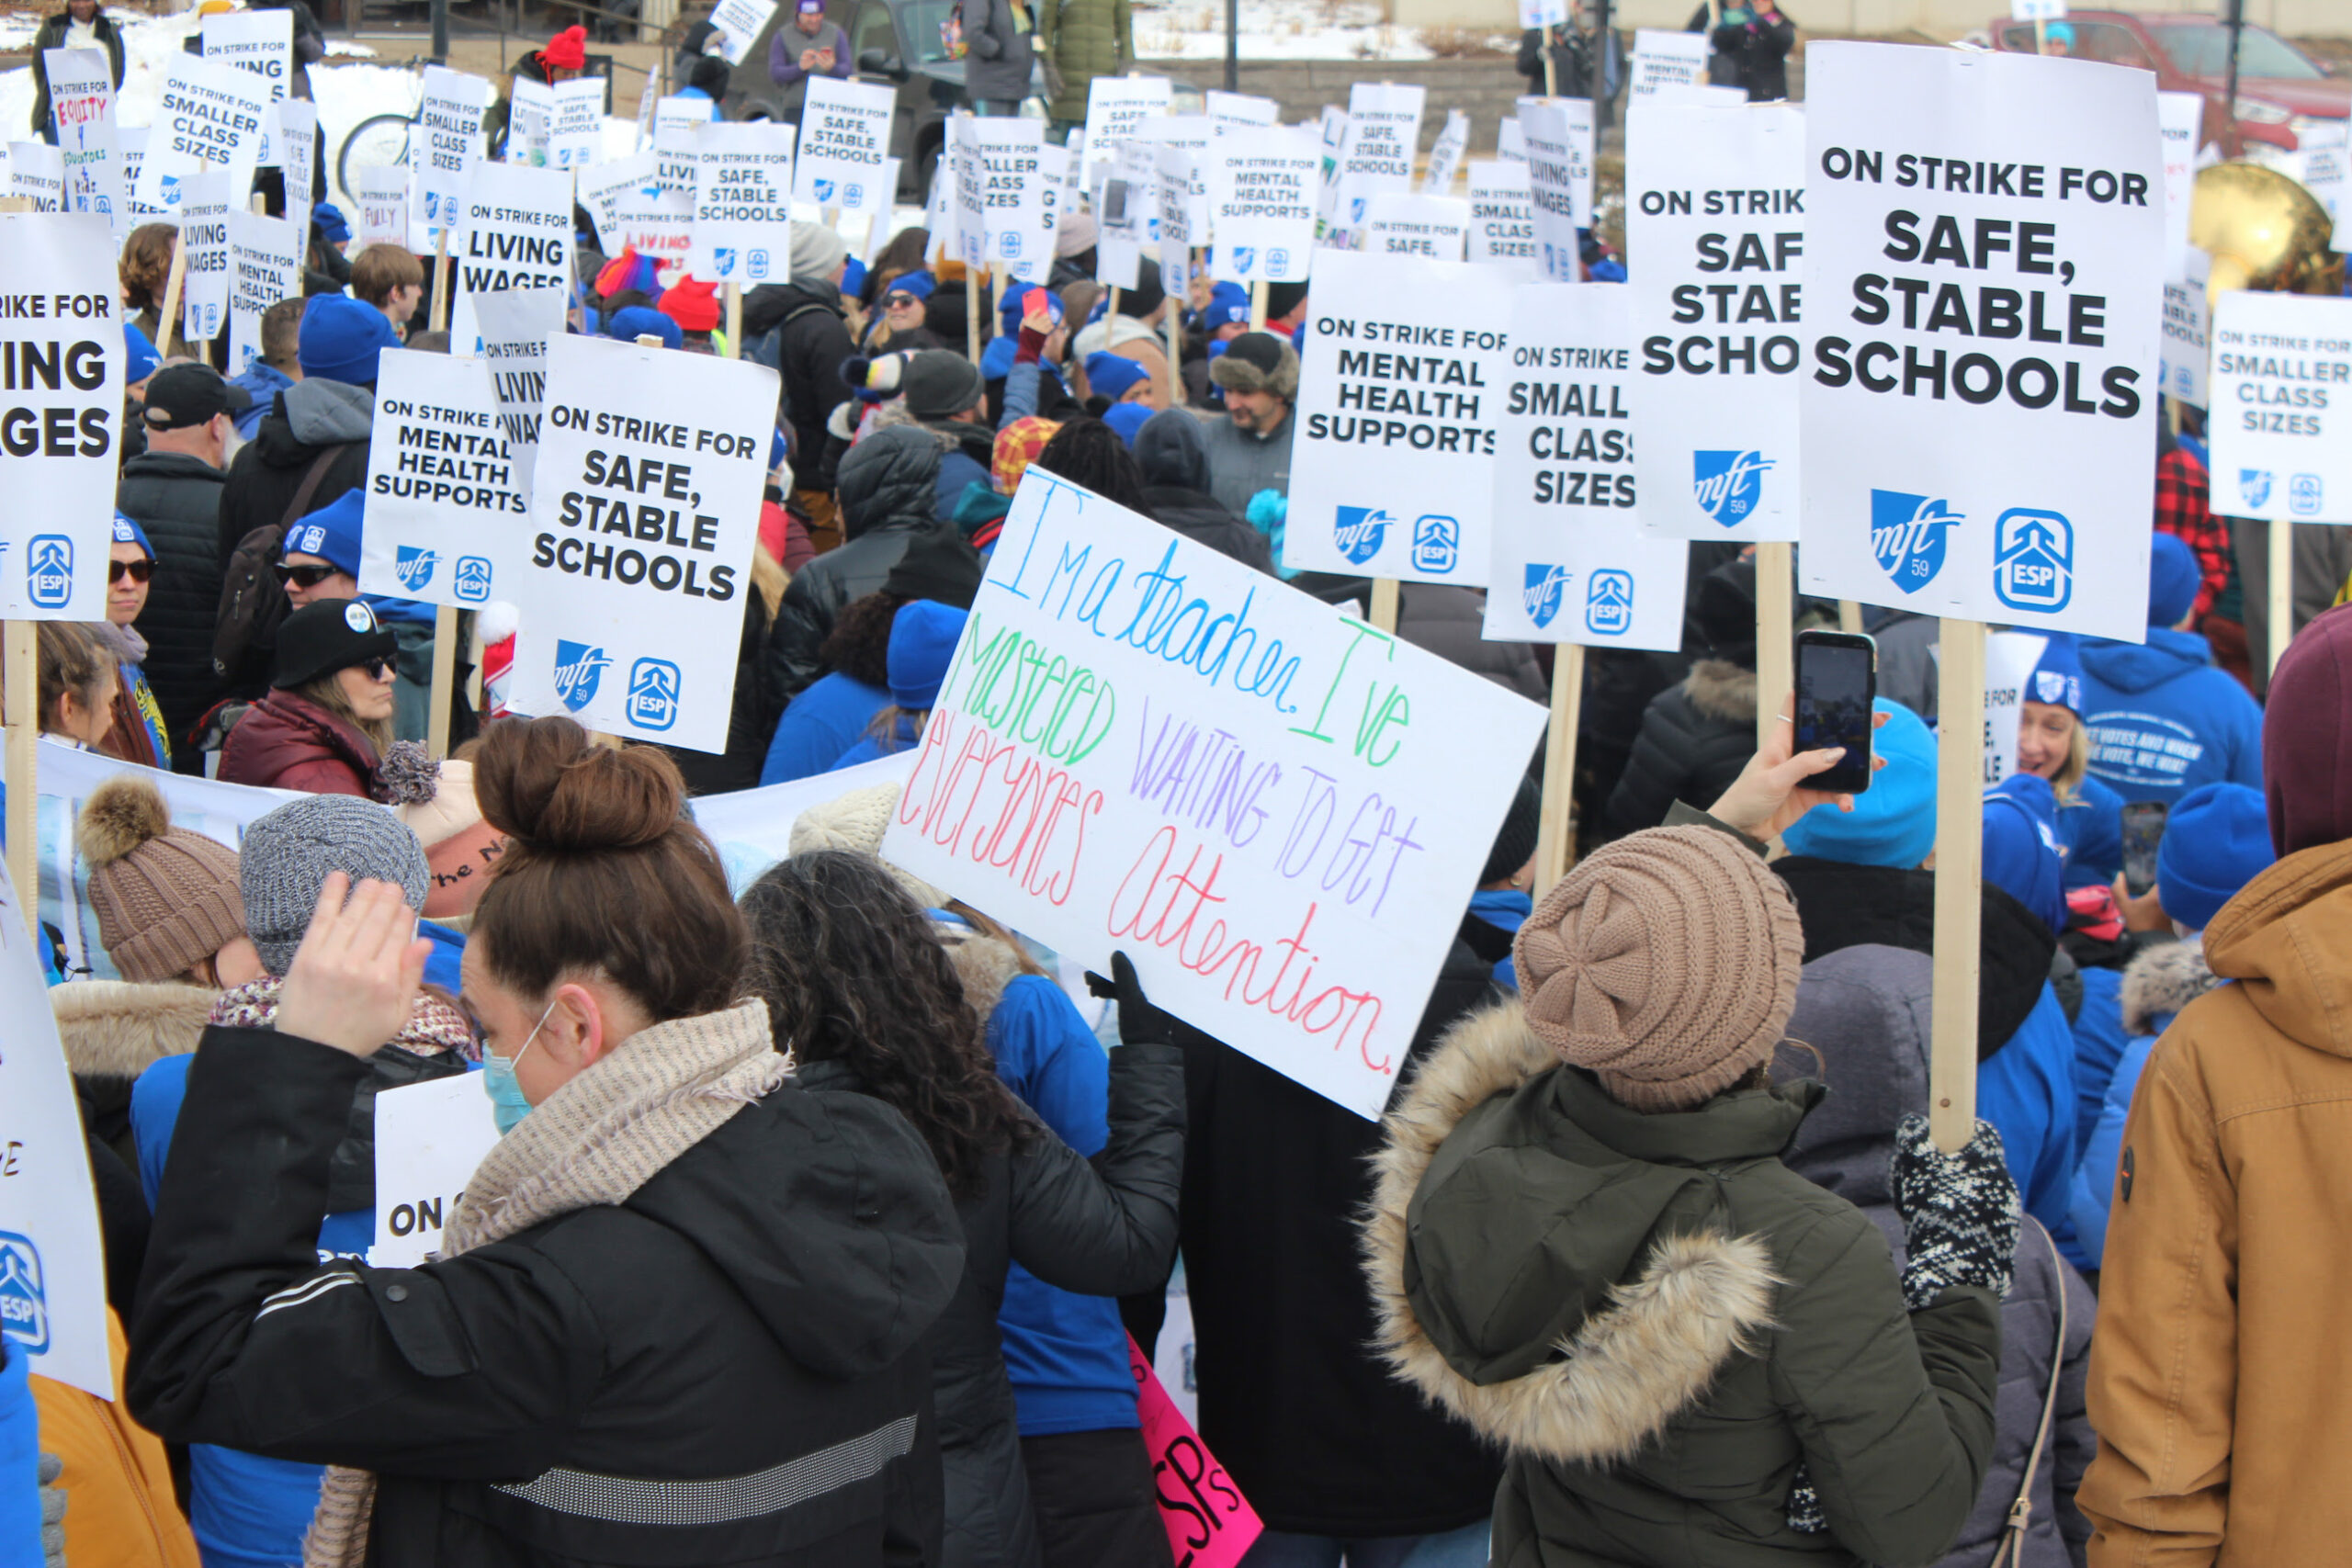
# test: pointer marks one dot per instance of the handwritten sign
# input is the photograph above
(1210, 1524)
(1144, 745)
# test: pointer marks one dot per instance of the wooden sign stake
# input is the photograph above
(2282, 588)
(20, 707)
(440, 321)
(1555, 835)
(1959, 864)
(1775, 656)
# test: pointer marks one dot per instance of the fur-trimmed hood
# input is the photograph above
(1517, 1285)
(1720, 690)
(984, 964)
(113, 1029)
(2162, 981)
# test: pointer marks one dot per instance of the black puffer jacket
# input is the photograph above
(309, 418)
(1101, 1228)
(750, 723)
(1175, 464)
(176, 498)
(1694, 739)
(811, 341)
(1450, 621)
(888, 488)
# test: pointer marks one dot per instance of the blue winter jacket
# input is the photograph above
(2100, 1039)
(821, 723)
(265, 382)
(873, 747)
(2163, 720)
(2159, 983)
(1504, 908)
(2027, 1090)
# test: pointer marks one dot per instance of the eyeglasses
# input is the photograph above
(302, 576)
(137, 571)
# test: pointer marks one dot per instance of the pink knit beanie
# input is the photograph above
(1667, 963)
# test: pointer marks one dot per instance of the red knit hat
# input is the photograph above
(692, 304)
(568, 51)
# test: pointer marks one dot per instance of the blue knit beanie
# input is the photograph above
(2021, 847)
(2057, 680)
(1110, 375)
(342, 339)
(140, 358)
(1893, 822)
(2174, 578)
(2216, 841)
(332, 532)
(1128, 420)
(126, 532)
(922, 644)
(634, 322)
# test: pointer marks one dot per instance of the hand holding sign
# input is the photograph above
(354, 977)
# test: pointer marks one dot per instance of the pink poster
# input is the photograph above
(1210, 1524)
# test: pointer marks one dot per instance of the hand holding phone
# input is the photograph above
(1836, 678)
(2144, 830)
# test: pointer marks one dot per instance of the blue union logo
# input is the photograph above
(1359, 532)
(1907, 536)
(1609, 603)
(474, 578)
(24, 1298)
(1727, 485)
(1547, 587)
(578, 669)
(413, 567)
(2033, 559)
(653, 694)
(49, 570)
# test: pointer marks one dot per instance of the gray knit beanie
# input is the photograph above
(1667, 963)
(286, 856)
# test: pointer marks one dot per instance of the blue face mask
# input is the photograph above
(507, 1105)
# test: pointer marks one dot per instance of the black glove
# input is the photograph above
(1140, 1023)
(1960, 1212)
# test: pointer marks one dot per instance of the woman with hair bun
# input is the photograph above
(676, 1315)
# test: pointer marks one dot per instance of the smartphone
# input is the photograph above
(1837, 683)
(2144, 830)
(1033, 301)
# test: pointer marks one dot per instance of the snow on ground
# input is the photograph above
(1278, 30)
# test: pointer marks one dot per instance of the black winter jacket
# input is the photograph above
(1175, 464)
(1694, 739)
(750, 722)
(813, 341)
(754, 1311)
(1753, 54)
(1100, 1227)
(176, 498)
(888, 488)
(308, 417)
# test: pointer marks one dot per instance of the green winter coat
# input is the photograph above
(1656, 1321)
(1087, 38)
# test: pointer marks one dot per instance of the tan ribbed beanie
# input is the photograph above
(167, 898)
(1667, 963)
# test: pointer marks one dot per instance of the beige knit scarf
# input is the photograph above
(596, 1140)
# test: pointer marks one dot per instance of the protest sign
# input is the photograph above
(516, 234)
(516, 326)
(1558, 133)
(530, 122)
(1382, 135)
(1114, 106)
(52, 1260)
(1176, 231)
(742, 216)
(1193, 135)
(1701, 93)
(1539, 14)
(1131, 720)
(2037, 10)
(679, 113)
(2281, 365)
(998, 188)
(1502, 214)
(295, 137)
(446, 508)
(1126, 206)
(1392, 458)
(430, 1138)
(613, 190)
(576, 135)
(1714, 206)
(1210, 1524)
(2185, 352)
(1053, 168)
(379, 208)
(1566, 562)
(1332, 132)
(1261, 205)
(259, 40)
(443, 151)
(1241, 113)
(1445, 156)
(2320, 168)
(81, 87)
(204, 239)
(208, 119)
(81, 113)
(1510, 142)
(61, 404)
(642, 538)
(1435, 226)
(132, 139)
(738, 23)
(265, 267)
(2181, 118)
(844, 140)
(1985, 339)
(37, 174)
(2009, 659)
(1665, 60)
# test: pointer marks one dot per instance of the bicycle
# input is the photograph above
(381, 140)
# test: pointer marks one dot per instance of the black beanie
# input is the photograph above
(328, 635)
(939, 565)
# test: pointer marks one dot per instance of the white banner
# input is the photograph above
(204, 275)
(740, 23)
(1198, 715)
(1984, 358)
(516, 233)
(1502, 215)
(209, 119)
(2180, 118)
(260, 40)
(998, 189)
(447, 507)
(265, 267)
(516, 326)
(1665, 60)
(1392, 460)
(2186, 352)
(644, 533)
(448, 119)
(1261, 205)
(379, 202)
(60, 408)
(1432, 227)
(1116, 106)
(2282, 364)
(1714, 206)
(1383, 135)
(430, 1138)
(1446, 155)
(742, 219)
(678, 113)
(1558, 133)
(844, 141)
(37, 174)
(1569, 564)
(576, 139)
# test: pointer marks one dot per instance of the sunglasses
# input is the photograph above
(302, 576)
(899, 301)
(376, 668)
(137, 571)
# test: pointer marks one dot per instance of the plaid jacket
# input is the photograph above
(2182, 512)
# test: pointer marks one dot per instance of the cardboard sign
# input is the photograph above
(1116, 106)
(132, 140)
(80, 112)
(1210, 1524)
(1383, 136)
(2009, 659)
(52, 1261)
(742, 217)
(740, 23)
(430, 1139)
(2282, 364)
(260, 40)
(1568, 563)
(1433, 228)
(1502, 215)
(379, 208)
(1558, 133)
(295, 133)
(1445, 156)
(530, 122)
(443, 151)
(515, 327)
(2184, 354)
(999, 188)
(1665, 60)
(446, 506)
(37, 174)
(209, 119)
(2180, 118)
(1392, 457)
(645, 502)
(204, 236)
(1714, 206)
(576, 138)
(60, 408)
(1974, 411)
(844, 141)
(1144, 745)
(265, 267)
(1261, 205)
(516, 233)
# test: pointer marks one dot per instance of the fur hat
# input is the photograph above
(855, 823)
(1258, 362)
(167, 898)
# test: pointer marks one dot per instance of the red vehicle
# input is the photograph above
(2283, 93)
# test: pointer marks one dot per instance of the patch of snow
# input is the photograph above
(1277, 29)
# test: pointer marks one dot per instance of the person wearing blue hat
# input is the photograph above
(140, 360)
(321, 561)
(2054, 745)
(901, 322)
(334, 227)
(1128, 420)
(633, 321)
(1117, 377)
(922, 644)
(2163, 719)
(342, 340)
(1893, 823)
(2020, 847)
(1226, 316)
(138, 734)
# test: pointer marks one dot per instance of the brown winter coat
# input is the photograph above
(2217, 1379)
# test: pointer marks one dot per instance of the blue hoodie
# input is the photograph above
(2090, 834)
(2027, 1090)
(819, 724)
(2163, 720)
(2159, 983)
(265, 382)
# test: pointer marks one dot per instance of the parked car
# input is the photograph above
(2283, 93)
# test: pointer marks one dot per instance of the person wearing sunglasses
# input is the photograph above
(326, 723)
(138, 733)
(900, 324)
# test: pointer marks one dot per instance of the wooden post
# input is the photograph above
(972, 311)
(1383, 604)
(441, 280)
(2282, 588)
(440, 696)
(174, 281)
(20, 707)
(734, 321)
(1555, 835)
(1775, 656)
(1550, 66)
(1172, 334)
(1258, 305)
(1000, 279)
(1959, 863)
(1849, 617)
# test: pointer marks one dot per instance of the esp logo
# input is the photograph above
(2033, 560)
(653, 685)
(24, 1298)
(1437, 542)
(49, 570)
(1609, 603)
(474, 578)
